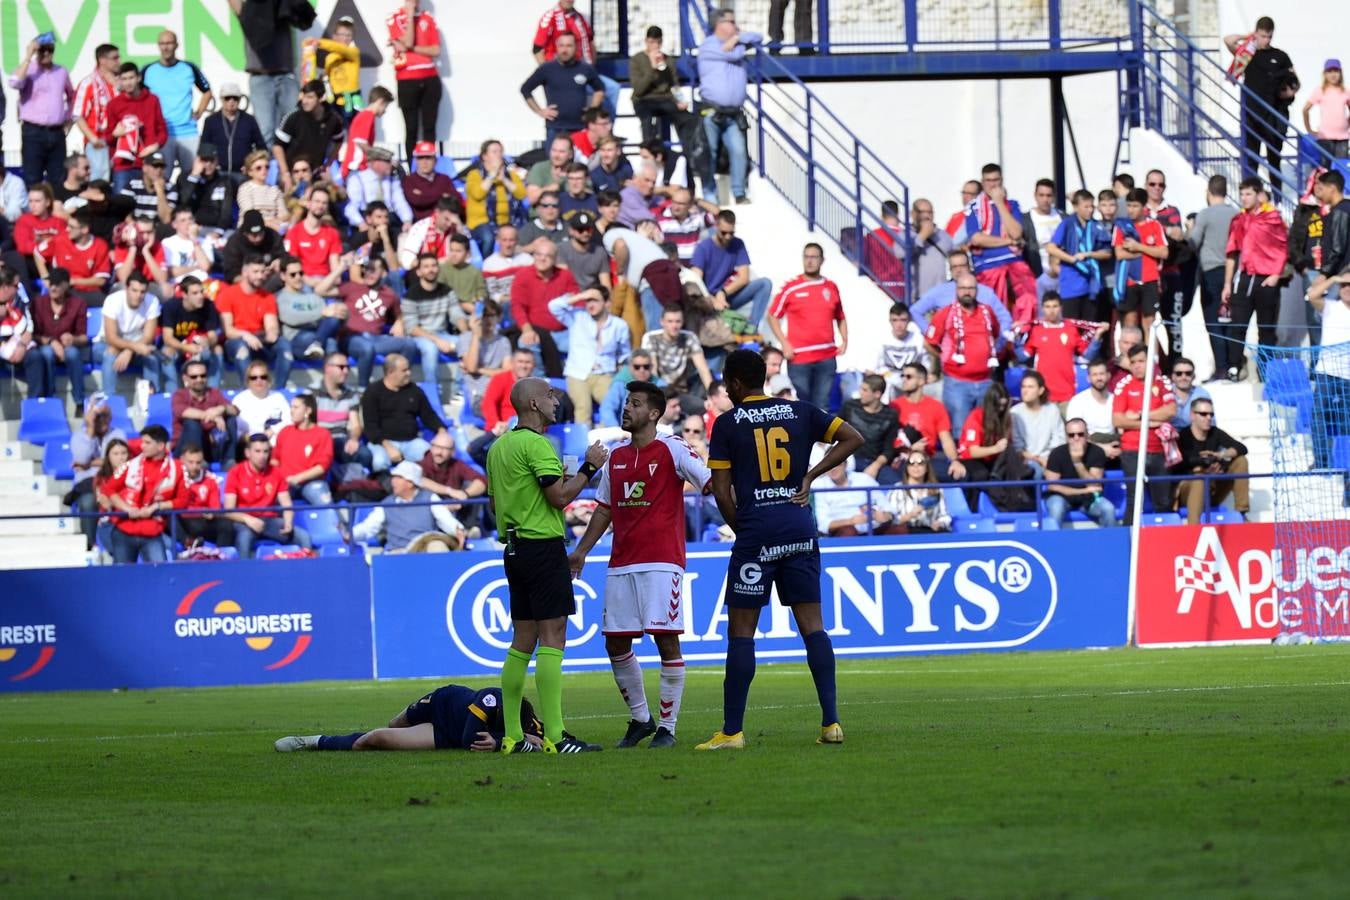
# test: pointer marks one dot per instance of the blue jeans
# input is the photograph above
(324, 333)
(755, 295)
(40, 370)
(272, 97)
(430, 354)
(960, 397)
(652, 309)
(1057, 509)
(316, 492)
(412, 450)
(278, 355)
(128, 548)
(486, 237)
(169, 373)
(813, 381)
(365, 347)
(100, 163)
(105, 357)
(44, 153)
(122, 177)
(244, 537)
(217, 447)
(737, 157)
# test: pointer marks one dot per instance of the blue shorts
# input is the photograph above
(446, 710)
(751, 578)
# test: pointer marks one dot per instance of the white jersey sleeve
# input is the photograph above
(602, 489)
(688, 463)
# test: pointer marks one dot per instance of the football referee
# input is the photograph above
(527, 491)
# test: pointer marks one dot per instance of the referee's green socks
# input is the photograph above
(548, 678)
(513, 688)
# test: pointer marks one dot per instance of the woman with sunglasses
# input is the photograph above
(916, 510)
(257, 194)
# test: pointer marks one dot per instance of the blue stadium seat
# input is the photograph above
(466, 416)
(43, 419)
(571, 438)
(363, 513)
(433, 392)
(277, 550)
(956, 502)
(1162, 518)
(57, 462)
(1026, 522)
(1286, 381)
(93, 326)
(160, 410)
(973, 524)
(328, 551)
(1012, 380)
(121, 416)
(1080, 378)
(1222, 517)
(1340, 452)
(446, 166)
(1113, 489)
(322, 525)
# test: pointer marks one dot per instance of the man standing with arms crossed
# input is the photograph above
(527, 491)
(759, 458)
(642, 491)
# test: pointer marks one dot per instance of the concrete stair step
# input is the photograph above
(21, 468)
(29, 504)
(18, 485)
(19, 450)
(23, 527)
(42, 551)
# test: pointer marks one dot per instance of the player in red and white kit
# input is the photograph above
(642, 492)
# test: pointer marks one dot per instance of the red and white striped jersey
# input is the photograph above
(644, 492)
(91, 101)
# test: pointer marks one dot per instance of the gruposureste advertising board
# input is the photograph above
(449, 614)
(185, 624)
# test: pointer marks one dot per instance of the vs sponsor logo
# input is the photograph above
(25, 650)
(260, 632)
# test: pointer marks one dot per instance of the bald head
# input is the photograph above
(534, 397)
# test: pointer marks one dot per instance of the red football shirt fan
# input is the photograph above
(1054, 348)
(810, 306)
(300, 449)
(564, 21)
(1130, 397)
(928, 417)
(966, 338)
(248, 309)
(530, 295)
(89, 261)
(314, 249)
(253, 488)
(143, 482)
(362, 128)
(1150, 233)
(644, 491)
(409, 66)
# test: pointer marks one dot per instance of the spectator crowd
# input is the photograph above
(193, 242)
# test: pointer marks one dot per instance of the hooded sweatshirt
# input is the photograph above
(1260, 240)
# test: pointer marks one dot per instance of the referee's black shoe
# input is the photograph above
(570, 744)
(637, 733)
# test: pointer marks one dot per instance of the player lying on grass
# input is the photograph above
(453, 717)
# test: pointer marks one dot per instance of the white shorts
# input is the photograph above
(649, 602)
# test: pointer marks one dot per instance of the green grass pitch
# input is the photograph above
(1219, 772)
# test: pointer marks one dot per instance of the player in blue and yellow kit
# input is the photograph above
(453, 717)
(759, 455)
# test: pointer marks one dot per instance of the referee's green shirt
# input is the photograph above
(515, 463)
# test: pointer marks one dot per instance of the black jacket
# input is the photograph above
(211, 200)
(1217, 439)
(878, 431)
(1336, 239)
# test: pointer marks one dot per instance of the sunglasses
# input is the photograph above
(1161, 184)
(1206, 414)
(194, 375)
(1183, 373)
(637, 368)
(918, 462)
(229, 98)
(338, 366)
(1076, 434)
(548, 206)
(257, 378)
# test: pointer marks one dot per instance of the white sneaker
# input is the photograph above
(143, 396)
(297, 742)
(313, 351)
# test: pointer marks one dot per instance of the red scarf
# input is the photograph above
(958, 325)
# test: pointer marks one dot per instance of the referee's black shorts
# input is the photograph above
(540, 580)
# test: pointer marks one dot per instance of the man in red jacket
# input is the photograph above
(1258, 245)
(144, 489)
(135, 126)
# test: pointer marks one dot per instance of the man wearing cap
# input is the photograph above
(258, 482)
(92, 96)
(405, 525)
(234, 133)
(45, 98)
(59, 327)
(149, 188)
(207, 191)
(378, 180)
(136, 127)
(424, 187)
(172, 80)
(582, 255)
(253, 238)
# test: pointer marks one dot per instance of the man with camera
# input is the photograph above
(1207, 449)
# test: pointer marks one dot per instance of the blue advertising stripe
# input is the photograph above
(448, 614)
(185, 624)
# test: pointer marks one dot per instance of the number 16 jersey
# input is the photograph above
(766, 442)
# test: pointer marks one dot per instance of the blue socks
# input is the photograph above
(736, 685)
(339, 741)
(820, 658)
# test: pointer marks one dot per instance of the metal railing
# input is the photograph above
(856, 26)
(1185, 95)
